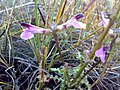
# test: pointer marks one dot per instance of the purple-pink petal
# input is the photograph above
(30, 30)
(78, 16)
(26, 25)
(105, 21)
(100, 23)
(26, 35)
(35, 29)
(101, 53)
(77, 24)
(72, 22)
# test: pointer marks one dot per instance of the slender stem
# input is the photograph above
(57, 45)
(86, 8)
(78, 74)
(36, 12)
(2, 33)
(41, 15)
(61, 10)
(89, 71)
(37, 21)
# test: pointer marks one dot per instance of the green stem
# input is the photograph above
(88, 71)
(78, 74)
(36, 12)
(66, 75)
(37, 21)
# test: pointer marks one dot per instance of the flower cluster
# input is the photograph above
(30, 30)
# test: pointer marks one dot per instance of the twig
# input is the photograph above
(89, 70)
(11, 77)
(86, 8)
(57, 45)
(41, 16)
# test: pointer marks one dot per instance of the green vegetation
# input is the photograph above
(59, 44)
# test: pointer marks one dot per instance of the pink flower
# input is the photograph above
(101, 53)
(30, 30)
(105, 22)
(73, 22)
